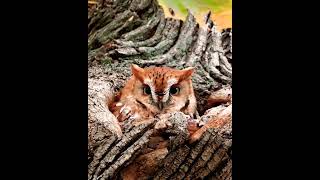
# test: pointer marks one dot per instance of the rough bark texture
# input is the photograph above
(122, 32)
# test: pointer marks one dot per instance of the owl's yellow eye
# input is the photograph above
(146, 90)
(174, 90)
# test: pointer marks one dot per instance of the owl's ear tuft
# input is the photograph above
(137, 71)
(186, 73)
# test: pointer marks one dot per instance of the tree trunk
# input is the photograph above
(123, 32)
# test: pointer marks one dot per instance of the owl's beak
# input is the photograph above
(160, 97)
(160, 105)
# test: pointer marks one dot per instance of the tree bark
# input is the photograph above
(123, 32)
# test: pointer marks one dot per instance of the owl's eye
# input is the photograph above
(174, 90)
(147, 90)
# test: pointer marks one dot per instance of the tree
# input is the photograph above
(123, 32)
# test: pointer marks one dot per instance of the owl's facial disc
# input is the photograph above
(160, 90)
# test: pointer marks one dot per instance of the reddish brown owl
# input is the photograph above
(155, 90)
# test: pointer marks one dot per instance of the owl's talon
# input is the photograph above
(162, 124)
(119, 104)
(126, 111)
(168, 124)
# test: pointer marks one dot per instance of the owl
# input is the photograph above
(155, 90)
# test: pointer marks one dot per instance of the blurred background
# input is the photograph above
(221, 10)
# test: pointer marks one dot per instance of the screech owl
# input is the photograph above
(155, 90)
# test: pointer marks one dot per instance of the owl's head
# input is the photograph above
(162, 86)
